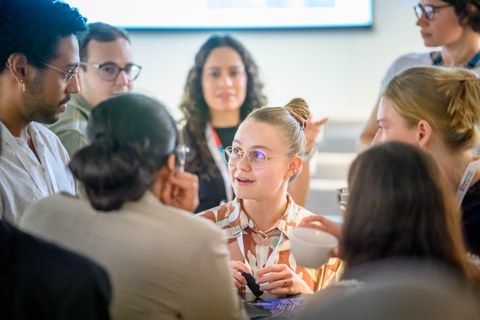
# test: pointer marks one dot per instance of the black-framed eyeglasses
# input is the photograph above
(109, 71)
(257, 158)
(428, 10)
(68, 75)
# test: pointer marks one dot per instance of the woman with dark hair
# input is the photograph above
(132, 221)
(452, 25)
(416, 215)
(222, 88)
(401, 213)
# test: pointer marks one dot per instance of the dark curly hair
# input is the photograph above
(195, 109)
(468, 11)
(131, 137)
(34, 28)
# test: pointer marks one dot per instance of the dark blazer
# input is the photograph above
(39, 280)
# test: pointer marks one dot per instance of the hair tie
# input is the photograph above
(301, 121)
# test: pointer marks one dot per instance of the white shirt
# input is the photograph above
(23, 178)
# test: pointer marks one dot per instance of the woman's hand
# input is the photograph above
(312, 130)
(236, 268)
(324, 224)
(279, 279)
(181, 191)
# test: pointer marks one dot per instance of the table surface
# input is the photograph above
(272, 307)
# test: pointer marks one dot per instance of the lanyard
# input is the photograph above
(271, 257)
(215, 146)
(467, 179)
(470, 65)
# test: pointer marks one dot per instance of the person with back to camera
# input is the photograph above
(164, 263)
(453, 25)
(264, 157)
(222, 88)
(107, 68)
(38, 66)
(402, 226)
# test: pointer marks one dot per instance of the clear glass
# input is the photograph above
(342, 198)
(181, 152)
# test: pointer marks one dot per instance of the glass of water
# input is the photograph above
(342, 198)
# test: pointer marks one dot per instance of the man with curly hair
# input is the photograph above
(39, 59)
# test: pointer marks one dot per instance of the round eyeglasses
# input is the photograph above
(257, 158)
(68, 75)
(428, 10)
(109, 71)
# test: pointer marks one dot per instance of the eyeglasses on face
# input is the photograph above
(428, 10)
(69, 75)
(257, 158)
(109, 71)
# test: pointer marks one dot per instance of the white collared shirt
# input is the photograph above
(24, 178)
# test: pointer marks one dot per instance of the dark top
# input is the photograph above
(39, 280)
(471, 218)
(211, 192)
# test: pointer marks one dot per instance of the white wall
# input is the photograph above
(337, 71)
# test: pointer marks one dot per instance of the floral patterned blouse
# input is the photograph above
(259, 245)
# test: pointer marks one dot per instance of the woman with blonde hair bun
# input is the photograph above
(438, 109)
(264, 157)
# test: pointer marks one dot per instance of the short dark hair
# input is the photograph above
(101, 32)
(131, 137)
(34, 28)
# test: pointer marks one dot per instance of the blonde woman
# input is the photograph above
(438, 109)
(264, 157)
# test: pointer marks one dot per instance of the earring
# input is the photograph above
(23, 85)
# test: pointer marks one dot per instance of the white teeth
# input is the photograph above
(243, 180)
